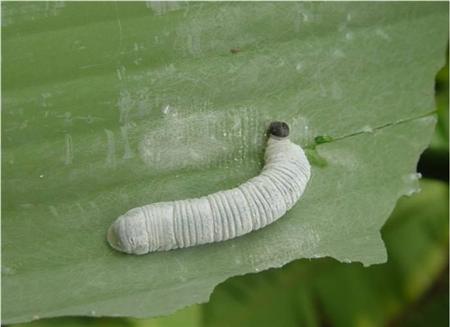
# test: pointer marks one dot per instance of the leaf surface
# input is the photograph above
(109, 106)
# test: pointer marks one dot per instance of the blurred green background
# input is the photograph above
(411, 289)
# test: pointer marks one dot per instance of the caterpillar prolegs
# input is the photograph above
(222, 215)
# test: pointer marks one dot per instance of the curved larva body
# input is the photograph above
(219, 216)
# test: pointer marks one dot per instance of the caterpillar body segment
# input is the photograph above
(222, 215)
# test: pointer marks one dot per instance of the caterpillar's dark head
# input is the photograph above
(278, 129)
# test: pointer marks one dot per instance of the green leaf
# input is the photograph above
(188, 317)
(80, 322)
(108, 106)
(306, 293)
(440, 140)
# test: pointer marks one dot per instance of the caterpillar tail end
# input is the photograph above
(113, 239)
(128, 233)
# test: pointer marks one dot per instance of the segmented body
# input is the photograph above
(219, 216)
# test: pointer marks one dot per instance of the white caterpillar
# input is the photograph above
(222, 215)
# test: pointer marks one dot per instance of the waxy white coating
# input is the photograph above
(219, 216)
